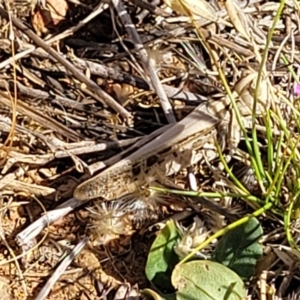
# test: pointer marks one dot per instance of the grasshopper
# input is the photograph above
(176, 148)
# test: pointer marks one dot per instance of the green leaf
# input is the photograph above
(239, 248)
(206, 280)
(162, 259)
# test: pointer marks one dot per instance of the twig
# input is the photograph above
(42, 159)
(58, 37)
(60, 269)
(130, 28)
(148, 7)
(112, 73)
(59, 100)
(37, 116)
(79, 75)
(34, 229)
(106, 72)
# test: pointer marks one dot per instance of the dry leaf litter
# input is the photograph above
(76, 91)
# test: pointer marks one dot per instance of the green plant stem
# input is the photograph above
(226, 229)
(205, 194)
(256, 150)
(270, 140)
(287, 222)
(291, 70)
(229, 172)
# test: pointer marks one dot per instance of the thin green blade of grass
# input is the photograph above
(293, 205)
(287, 223)
(286, 156)
(269, 173)
(286, 131)
(206, 194)
(277, 168)
(285, 167)
(270, 148)
(281, 171)
(275, 163)
(291, 70)
(229, 172)
(256, 150)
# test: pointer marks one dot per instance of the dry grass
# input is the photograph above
(69, 116)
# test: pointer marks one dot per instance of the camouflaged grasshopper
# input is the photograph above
(176, 148)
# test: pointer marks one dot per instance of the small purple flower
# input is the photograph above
(297, 89)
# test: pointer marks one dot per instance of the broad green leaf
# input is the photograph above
(206, 280)
(162, 259)
(239, 249)
(154, 295)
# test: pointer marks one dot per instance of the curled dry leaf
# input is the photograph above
(49, 17)
(238, 18)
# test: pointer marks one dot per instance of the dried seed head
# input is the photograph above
(191, 238)
(111, 219)
(108, 222)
